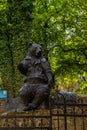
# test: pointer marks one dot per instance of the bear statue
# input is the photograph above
(38, 78)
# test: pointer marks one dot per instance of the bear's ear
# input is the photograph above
(41, 44)
(29, 44)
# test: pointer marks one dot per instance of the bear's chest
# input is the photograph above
(34, 66)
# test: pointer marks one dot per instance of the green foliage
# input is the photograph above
(61, 27)
(15, 33)
(58, 24)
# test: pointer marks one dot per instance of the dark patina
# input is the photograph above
(37, 78)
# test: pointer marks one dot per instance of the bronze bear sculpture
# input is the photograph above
(37, 78)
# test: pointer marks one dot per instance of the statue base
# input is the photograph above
(16, 105)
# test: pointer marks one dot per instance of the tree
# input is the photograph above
(15, 31)
(61, 26)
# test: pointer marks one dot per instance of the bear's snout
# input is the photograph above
(38, 52)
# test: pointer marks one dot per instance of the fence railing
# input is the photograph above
(63, 116)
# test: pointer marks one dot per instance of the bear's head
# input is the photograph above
(35, 50)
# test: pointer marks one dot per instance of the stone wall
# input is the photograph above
(58, 122)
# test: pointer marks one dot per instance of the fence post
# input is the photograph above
(50, 109)
(65, 112)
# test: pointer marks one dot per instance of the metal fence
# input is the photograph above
(63, 116)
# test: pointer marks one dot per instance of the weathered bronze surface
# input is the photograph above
(37, 78)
